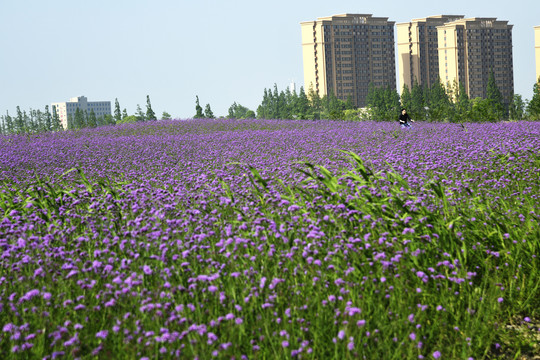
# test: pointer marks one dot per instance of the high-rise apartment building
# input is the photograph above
(418, 50)
(344, 53)
(65, 109)
(537, 50)
(470, 49)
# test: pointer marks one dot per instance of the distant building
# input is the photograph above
(418, 50)
(469, 49)
(65, 109)
(537, 50)
(343, 54)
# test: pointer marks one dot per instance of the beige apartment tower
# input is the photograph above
(344, 53)
(469, 49)
(537, 50)
(418, 50)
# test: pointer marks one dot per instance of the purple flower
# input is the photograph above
(437, 354)
(102, 334)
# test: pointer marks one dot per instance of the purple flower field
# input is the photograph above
(251, 239)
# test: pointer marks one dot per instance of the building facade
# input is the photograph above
(65, 109)
(470, 49)
(418, 50)
(537, 50)
(344, 53)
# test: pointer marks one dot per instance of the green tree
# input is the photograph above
(516, 108)
(70, 122)
(130, 119)
(139, 114)
(301, 108)
(48, 119)
(56, 123)
(353, 114)
(417, 109)
(107, 119)
(208, 112)
(92, 120)
(78, 119)
(482, 110)
(333, 107)
(150, 115)
(19, 122)
(462, 102)
(534, 104)
(27, 121)
(9, 128)
(198, 109)
(439, 103)
(406, 98)
(493, 94)
(237, 111)
(315, 103)
(383, 103)
(166, 115)
(124, 114)
(263, 109)
(117, 112)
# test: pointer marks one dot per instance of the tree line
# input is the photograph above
(36, 121)
(435, 103)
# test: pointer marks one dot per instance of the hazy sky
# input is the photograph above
(222, 51)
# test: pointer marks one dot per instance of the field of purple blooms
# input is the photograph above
(267, 239)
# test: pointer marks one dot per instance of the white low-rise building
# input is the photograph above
(64, 109)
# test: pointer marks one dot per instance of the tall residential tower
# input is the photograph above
(418, 54)
(344, 53)
(470, 49)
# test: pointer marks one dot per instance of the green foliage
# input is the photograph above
(417, 109)
(78, 119)
(383, 103)
(198, 109)
(516, 109)
(406, 97)
(117, 112)
(150, 115)
(493, 94)
(92, 120)
(141, 116)
(534, 105)
(237, 111)
(482, 110)
(439, 104)
(208, 112)
(130, 119)
(108, 119)
(292, 105)
(333, 107)
(166, 115)
(462, 103)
